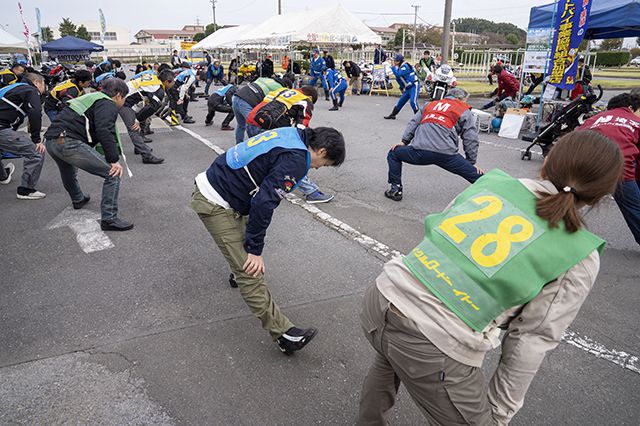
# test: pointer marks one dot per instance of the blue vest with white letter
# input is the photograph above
(223, 91)
(143, 73)
(286, 137)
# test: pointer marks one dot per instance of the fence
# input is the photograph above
(476, 63)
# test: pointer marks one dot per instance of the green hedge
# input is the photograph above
(613, 59)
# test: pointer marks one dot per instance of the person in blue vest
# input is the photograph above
(507, 253)
(409, 86)
(338, 86)
(317, 70)
(235, 199)
(215, 73)
(179, 93)
(221, 101)
(17, 102)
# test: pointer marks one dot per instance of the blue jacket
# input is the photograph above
(317, 66)
(276, 173)
(184, 76)
(405, 76)
(334, 77)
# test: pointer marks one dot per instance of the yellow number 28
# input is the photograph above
(503, 238)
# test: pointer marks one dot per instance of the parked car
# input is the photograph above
(635, 61)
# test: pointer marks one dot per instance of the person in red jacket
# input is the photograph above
(508, 86)
(621, 123)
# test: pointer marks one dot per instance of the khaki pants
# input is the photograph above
(227, 228)
(446, 391)
(356, 83)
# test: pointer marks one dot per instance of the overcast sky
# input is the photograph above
(160, 14)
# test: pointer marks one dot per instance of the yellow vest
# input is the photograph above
(145, 80)
(64, 86)
(8, 71)
(289, 97)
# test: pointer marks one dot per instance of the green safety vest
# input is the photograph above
(490, 251)
(267, 85)
(81, 104)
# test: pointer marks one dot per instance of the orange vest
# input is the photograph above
(445, 112)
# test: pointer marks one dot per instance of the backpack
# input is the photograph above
(271, 114)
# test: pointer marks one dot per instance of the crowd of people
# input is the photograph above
(497, 257)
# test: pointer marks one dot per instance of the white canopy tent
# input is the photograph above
(9, 43)
(224, 38)
(328, 26)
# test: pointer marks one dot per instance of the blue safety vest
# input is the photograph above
(143, 73)
(5, 89)
(223, 91)
(184, 75)
(104, 76)
(244, 153)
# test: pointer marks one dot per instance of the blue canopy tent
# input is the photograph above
(70, 48)
(608, 18)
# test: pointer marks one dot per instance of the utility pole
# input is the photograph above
(279, 7)
(415, 31)
(213, 4)
(446, 30)
(403, 34)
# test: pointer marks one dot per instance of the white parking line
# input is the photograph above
(383, 251)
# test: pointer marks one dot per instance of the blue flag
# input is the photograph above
(572, 19)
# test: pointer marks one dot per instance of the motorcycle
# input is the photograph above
(54, 74)
(439, 82)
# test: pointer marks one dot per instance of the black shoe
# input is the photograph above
(81, 204)
(340, 104)
(395, 192)
(393, 114)
(295, 339)
(148, 131)
(152, 160)
(232, 281)
(335, 106)
(146, 139)
(194, 100)
(188, 120)
(226, 128)
(208, 123)
(115, 225)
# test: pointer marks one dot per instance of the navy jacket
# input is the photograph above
(27, 98)
(275, 172)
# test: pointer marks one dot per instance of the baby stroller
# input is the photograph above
(564, 121)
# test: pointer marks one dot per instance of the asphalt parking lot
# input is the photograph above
(148, 331)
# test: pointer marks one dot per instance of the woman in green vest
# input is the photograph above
(507, 253)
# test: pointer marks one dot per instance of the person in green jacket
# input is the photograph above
(507, 253)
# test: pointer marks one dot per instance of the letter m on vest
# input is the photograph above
(445, 112)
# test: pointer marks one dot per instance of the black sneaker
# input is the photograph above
(148, 131)
(395, 192)
(295, 339)
(188, 120)
(81, 204)
(115, 225)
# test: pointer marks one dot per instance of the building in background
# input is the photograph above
(386, 33)
(187, 32)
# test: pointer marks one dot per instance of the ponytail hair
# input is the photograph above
(584, 166)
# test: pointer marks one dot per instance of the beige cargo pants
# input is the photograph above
(227, 228)
(446, 391)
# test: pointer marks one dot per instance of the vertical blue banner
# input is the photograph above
(572, 19)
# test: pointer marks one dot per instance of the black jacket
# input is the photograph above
(328, 60)
(26, 98)
(102, 126)
(154, 102)
(267, 68)
(252, 93)
(353, 70)
(275, 172)
(215, 99)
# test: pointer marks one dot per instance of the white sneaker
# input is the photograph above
(35, 195)
(9, 169)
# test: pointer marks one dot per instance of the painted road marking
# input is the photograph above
(384, 252)
(84, 223)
